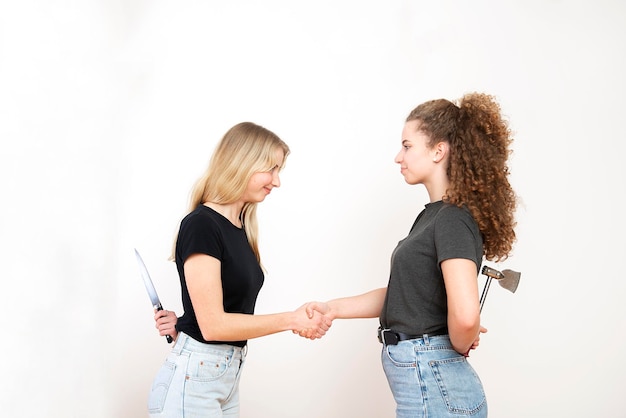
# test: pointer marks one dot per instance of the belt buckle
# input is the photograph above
(387, 337)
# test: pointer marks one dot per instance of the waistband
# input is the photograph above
(389, 337)
(186, 343)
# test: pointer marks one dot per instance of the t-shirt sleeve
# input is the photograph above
(199, 235)
(456, 235)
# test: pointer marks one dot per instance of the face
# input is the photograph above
(415, 158)
(262, 183)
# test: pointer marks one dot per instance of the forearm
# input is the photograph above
(238, 327)
(204, 283)
(366, 305)
(459, 276)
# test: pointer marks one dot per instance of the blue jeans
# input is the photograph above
(428, 378)
(197, 380)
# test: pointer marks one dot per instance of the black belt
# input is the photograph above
(389, 337)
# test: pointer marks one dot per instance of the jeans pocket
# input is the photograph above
(206, 367)
(459, 385)
(400, 355)
(160, 387)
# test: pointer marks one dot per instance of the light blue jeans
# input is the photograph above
(428, 378)
(197, 380)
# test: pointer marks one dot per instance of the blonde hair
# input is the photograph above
(245, 149)
(479, 141)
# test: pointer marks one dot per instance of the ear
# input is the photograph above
(440, 151)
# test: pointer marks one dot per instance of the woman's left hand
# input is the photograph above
(166, 323)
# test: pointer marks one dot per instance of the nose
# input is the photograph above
(398, 158)
(275, 179)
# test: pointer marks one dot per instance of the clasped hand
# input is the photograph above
(317, 315)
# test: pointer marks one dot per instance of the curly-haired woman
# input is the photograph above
(429, 312)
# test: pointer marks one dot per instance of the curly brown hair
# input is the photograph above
(479, 142)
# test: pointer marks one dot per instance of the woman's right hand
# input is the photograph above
(311, 324)
(321, 307)
(166, 323)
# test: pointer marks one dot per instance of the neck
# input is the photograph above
(230, 211)
(436, 194)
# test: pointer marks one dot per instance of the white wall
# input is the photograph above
(109, 111)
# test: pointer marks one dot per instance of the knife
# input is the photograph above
(154, 298)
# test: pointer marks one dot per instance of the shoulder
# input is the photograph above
(452, 214)
(450, 210)
(200, 232)
(457, 234)
(201, 218)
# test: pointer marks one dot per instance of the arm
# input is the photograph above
(366, 305)
(203, 277)
(459, 276)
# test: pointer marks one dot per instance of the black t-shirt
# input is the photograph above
(205, 231)
(416, 300)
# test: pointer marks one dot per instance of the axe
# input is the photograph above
(508, 279)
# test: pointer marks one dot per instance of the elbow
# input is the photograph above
(208, 334)
(213, 326)
(211, 332)
(467, 325)
(464, 320)
(463, 332)
(213, 335)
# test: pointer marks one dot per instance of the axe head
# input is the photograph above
(510, 280)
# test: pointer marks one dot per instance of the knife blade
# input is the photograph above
(147, 281)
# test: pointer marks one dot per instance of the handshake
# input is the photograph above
(310, 320)
(318, 320)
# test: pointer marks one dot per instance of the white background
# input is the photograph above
(109, 111)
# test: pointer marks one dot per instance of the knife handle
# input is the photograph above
(167, 337)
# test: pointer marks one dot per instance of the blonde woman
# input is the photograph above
(219, 266)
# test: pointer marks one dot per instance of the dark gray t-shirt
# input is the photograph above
(416, 301)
